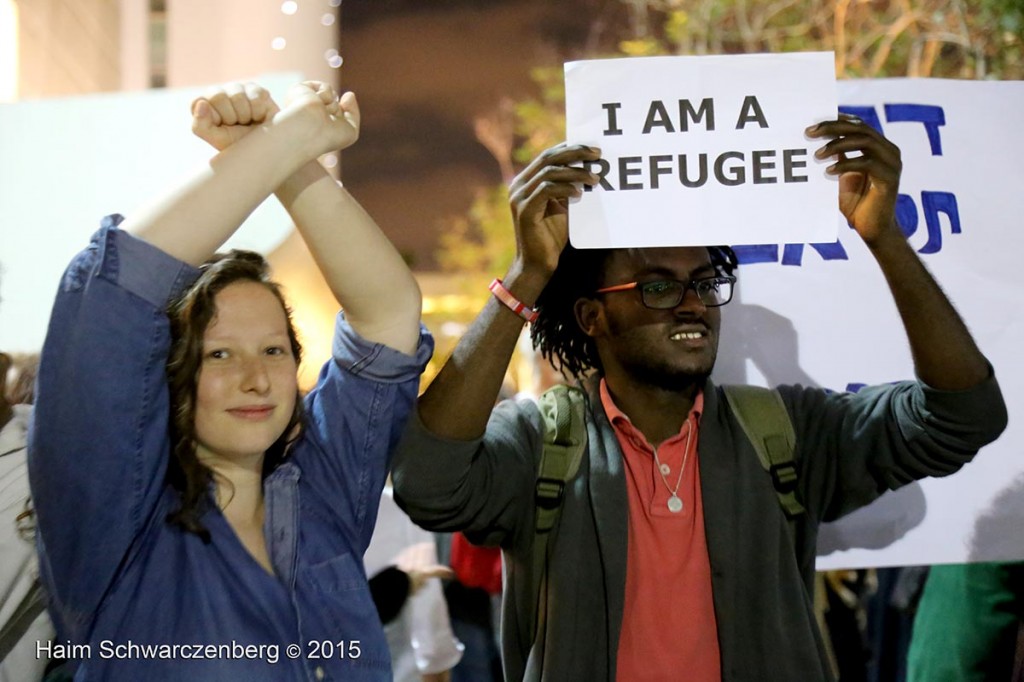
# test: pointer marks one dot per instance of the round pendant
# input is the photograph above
(665, 469)
(675, 505)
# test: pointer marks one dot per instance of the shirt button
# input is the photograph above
(666, 469)
(319, 672)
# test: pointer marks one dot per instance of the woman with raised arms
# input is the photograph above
(198, 519)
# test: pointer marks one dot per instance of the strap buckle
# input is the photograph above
(549, 493)
(784, 476)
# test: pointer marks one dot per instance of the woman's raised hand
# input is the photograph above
(319, 121)
(333, 121)
(228, 113)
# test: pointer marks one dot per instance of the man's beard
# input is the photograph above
(668, 378)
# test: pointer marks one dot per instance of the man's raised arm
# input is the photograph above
(945, 354)
(459, 400)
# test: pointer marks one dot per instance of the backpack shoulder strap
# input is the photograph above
(763, 416)
(565, 439)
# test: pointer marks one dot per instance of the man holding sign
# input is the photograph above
(672, 558)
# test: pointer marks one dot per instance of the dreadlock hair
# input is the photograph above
(190, 315)
(556, 334)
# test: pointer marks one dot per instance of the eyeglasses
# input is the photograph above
(668, 293)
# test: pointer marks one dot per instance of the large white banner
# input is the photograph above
(702, 150)
(821, 314)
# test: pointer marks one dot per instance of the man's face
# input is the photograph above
(670, 349)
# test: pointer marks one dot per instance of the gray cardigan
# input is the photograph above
(850, 448)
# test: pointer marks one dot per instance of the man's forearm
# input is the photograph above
(945, 354)
(459, 400)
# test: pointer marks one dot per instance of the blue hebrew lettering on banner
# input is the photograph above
(931, 117)
(906, 214)
(866, 114)
(748, 254)
(792, 254)
(933, 203)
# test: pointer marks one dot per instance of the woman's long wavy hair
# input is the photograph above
(190, 315)
(556, 334)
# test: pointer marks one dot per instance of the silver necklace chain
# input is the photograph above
(675, 504)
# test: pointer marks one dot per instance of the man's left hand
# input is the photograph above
(869, 181)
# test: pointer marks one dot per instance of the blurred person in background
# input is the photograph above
(403, 557)
(21, 378)
(23, 618)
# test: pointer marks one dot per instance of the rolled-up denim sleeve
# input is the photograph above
(354, 416)
(98, 446)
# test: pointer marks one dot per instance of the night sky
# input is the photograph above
(423, 69)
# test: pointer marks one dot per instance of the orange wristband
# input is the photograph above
(511, 302)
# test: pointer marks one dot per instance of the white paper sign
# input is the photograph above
(702, 150)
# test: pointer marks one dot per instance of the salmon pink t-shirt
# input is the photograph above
(668, 624)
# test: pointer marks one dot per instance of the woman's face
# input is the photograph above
(247, 384)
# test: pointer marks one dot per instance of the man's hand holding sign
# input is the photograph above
(869, 182)
(868, 186)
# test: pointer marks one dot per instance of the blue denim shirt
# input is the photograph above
(121, 579)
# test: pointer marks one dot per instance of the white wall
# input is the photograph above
(211, 42)
(68, 162)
